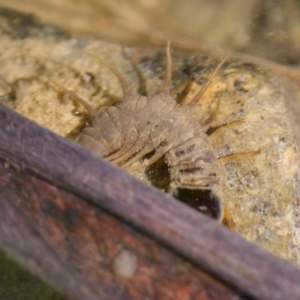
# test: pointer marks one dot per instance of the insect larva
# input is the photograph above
(139, 126)
(138, 131)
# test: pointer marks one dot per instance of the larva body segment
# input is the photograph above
(137, 126)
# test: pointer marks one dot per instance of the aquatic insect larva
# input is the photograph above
(152, 127)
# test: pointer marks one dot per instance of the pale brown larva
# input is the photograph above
(137, 126)
(138, 131)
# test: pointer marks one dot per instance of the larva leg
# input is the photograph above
(157, 155)
(128, 157)
(168, 78)
(202, 91)
(124, 153)
(239, 156)
(159, 152)
(225, 127)
(232, 157)
(146, 150)
(228, 220)
(198, 97)
(119, 152)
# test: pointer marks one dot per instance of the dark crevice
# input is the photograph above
(204, 201)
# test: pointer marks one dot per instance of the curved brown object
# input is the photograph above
(202, 241)
(86, 252)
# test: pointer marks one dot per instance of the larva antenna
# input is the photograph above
(168, 78)
(71, 95)
(203, 90)
(116, 72)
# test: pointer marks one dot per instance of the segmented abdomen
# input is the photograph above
(139, 125)
(193, 164)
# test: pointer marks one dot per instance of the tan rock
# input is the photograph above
(259, 190)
